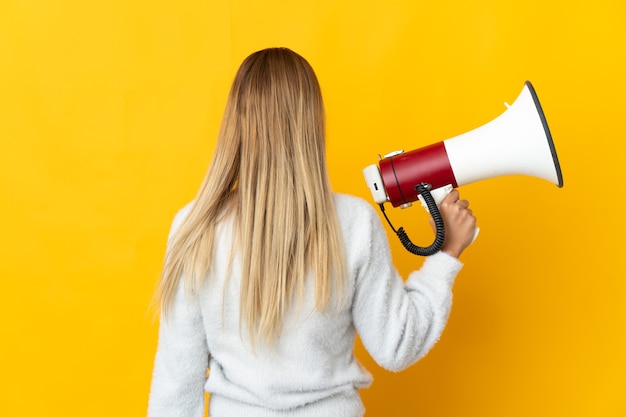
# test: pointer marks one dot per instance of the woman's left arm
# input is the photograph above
(181, 361)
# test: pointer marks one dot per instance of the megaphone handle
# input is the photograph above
(424, 190)
(438, 195)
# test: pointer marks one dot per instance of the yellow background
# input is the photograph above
(108, 117)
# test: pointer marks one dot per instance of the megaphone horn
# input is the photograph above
(516, 142)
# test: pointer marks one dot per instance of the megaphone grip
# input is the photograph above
(435, 247)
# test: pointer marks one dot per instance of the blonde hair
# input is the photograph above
(269, 173)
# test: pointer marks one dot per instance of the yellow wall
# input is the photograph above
(108, 114)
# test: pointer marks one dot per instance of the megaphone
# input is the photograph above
(516, 142)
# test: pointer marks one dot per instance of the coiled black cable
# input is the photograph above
(440, 234)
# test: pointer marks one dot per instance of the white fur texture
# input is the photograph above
(312, 370)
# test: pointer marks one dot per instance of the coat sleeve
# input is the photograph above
(181, 360)
(399, 322)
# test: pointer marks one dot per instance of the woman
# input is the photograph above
(268, 274)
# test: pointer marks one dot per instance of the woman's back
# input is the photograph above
(311, 369)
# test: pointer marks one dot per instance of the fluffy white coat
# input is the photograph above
(312, 371)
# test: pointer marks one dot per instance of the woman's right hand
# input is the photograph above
(459, 222)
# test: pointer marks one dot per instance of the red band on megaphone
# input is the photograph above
(401, 173)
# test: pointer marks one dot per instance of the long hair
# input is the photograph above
(269, 175)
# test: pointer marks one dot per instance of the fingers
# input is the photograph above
(451, 198)
(463, 203)
(454, 198)
(460, 223)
